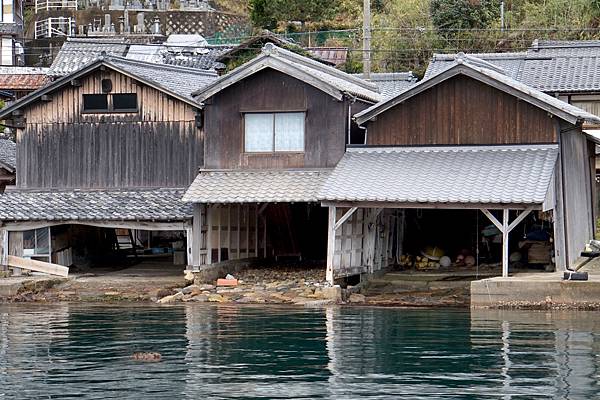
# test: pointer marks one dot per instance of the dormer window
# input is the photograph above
(274, 132)
(107, 103)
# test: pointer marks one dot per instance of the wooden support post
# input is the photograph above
(256, 231)
(209, 218)
(239, 229)
(3, 249)
(194, 238)
(247, 212)
(264, 236)
(505, 232)
(219, 233)
(330, 244)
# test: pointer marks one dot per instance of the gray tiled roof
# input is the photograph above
(113, 205)
(180, 80)
(256, 186)
(313, 72)
(8, 153)
(549, 66)
(391, 83)
(76, 53)
(448, 174)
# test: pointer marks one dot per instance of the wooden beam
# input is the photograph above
(493, 219)
(262, 208)
(141, 225)
(209, 229)
(520, 218)
(197, 236)
(330, 244)
(433, 206)
(344, 218)
(38, 266)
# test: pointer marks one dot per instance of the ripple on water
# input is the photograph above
(63, 351)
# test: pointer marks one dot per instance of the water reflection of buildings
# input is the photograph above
(555, 352)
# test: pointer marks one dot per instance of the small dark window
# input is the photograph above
(124, 102)
(95, 102)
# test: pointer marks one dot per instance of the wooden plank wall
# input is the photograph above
(462, 110)
(364, 243)
(104, 155)
(272, 91)
(233, 232)
(61, 147)
(577, 187)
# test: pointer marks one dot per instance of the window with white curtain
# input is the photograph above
(270, 132)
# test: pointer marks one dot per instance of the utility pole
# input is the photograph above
(502, 16)
(367, 39)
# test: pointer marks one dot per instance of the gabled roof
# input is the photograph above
(95, 205)
(328, 79)
(256, 42)
(443, 175)
(549, 66)
(256, 186)
(178, 82)
(8, 155)
(493, 78)
(76, 53)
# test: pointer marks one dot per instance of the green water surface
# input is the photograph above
(79, 351)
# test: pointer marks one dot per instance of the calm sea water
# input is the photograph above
(61, 351)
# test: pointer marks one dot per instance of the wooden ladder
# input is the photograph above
(124, 242)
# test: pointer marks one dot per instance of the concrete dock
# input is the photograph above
(536, 290)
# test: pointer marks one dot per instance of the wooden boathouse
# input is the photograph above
(111, 146)
(468, 138)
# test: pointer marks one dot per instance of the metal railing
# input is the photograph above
(52, 27)
(47, 5)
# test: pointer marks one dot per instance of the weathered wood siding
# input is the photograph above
(61, 147)
(272, 91)
(465, 111)
(577, 175)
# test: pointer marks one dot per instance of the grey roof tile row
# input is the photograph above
(391, 83)
(111, 205)
(179, 80)
(256, 186)
(447, 174)
(549, 66)
(8, 153)
(77, 53)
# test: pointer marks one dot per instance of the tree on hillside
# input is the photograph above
(448, 15)
(266, 14)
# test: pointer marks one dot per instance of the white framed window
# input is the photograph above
(274, 132)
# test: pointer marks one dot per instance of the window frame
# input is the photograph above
(110, 104)
(32, 253)
(273, 131)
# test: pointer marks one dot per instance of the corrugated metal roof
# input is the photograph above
(549, 66)
(446, 174)
(256, 186)
(8, 153)
(114, 205)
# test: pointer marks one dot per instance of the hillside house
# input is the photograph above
(102, 152)
(464, 146)
(274, 128)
